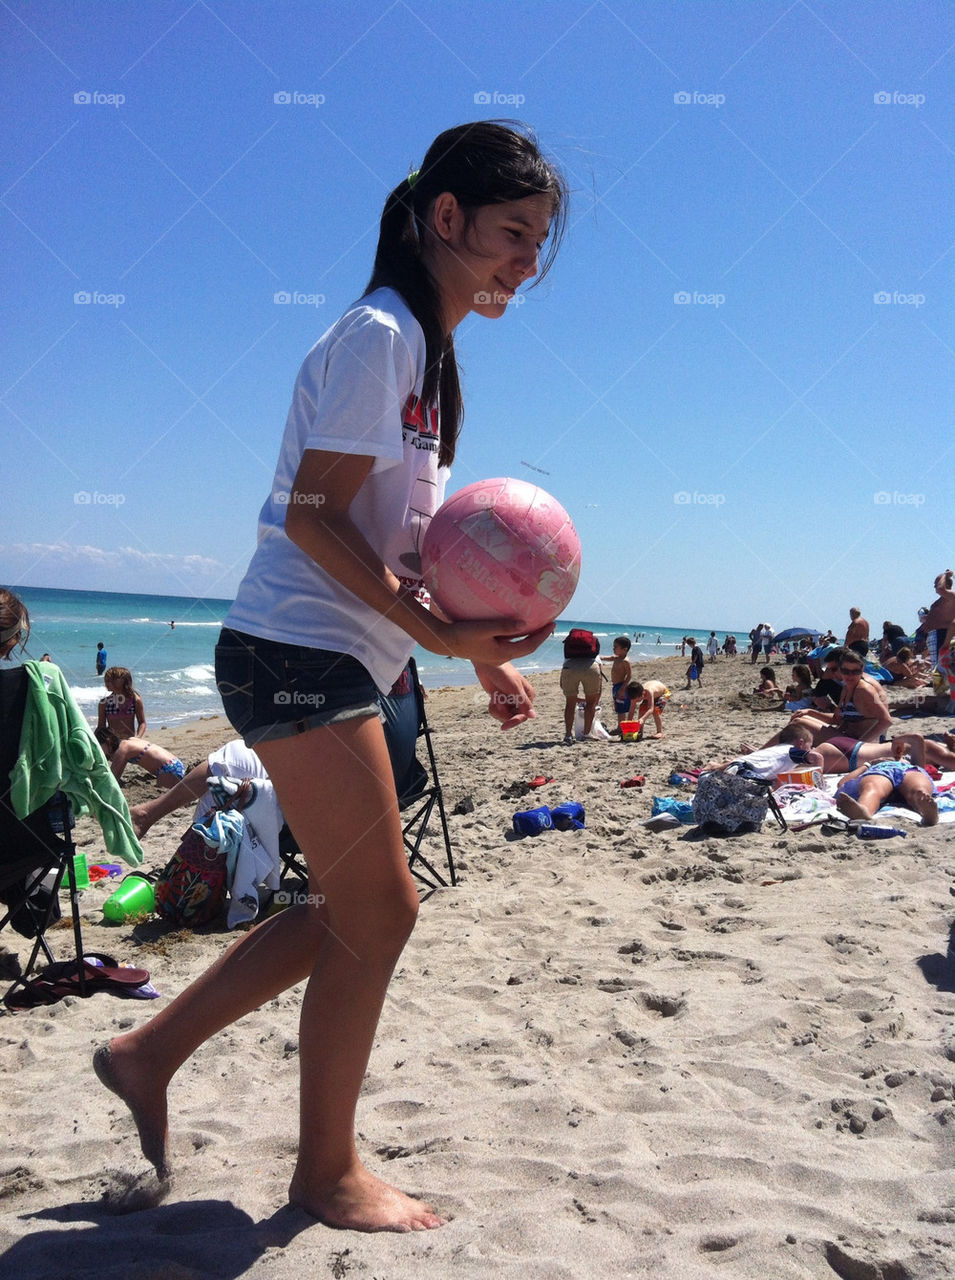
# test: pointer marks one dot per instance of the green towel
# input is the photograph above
(58, 752)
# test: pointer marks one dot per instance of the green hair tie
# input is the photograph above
(413, 177)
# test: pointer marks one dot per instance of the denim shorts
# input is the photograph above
(272, 690)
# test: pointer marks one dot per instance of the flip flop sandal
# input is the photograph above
(637, 781)
(106, 975)
(838, 824)
(34, 993)
(539, 781)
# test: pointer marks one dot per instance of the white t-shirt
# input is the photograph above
(712, 646)
(358, 392)
(767, 762)
(233, 760)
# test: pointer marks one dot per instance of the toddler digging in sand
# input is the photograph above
(325, 618)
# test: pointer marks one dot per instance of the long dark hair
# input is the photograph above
(485, 162)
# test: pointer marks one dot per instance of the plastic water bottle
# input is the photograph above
(867, 832)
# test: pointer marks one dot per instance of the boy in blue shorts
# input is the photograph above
(620, 674)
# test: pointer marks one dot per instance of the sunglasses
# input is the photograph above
(851, 671)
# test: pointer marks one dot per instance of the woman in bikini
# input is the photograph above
(861, 716)
(121, 711)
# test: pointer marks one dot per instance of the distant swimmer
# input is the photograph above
(172, 626)
(100, 659)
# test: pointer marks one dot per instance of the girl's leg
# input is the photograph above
(336, 790)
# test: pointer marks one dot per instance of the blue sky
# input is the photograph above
(737, 377)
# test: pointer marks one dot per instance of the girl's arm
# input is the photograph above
(318, 521)
(101, 714)
(140, 717)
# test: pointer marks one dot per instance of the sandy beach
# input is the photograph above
(604, 1053)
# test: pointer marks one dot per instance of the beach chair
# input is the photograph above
(36, 852)
(423, 797)
(419, 796)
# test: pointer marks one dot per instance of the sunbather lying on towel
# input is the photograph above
(842, 754)
(901, 781)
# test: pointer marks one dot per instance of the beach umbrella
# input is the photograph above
(796, 633)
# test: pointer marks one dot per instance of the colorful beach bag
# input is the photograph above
(191, 888)
(728, 802)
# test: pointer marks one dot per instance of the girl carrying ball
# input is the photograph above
(326, 618)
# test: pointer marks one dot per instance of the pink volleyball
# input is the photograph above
(502, 549)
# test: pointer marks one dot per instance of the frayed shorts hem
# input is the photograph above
(292, 728)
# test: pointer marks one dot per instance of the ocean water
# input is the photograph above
(172, 666)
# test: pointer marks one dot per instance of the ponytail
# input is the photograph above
(485, 162)
(398, 265)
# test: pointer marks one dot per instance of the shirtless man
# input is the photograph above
(857, 637)
(648, 698)
(940, 616)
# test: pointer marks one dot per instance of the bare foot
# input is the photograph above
(928, 808)
(657, 735)
(362, 1202)
(120, 1073)
(138, 819)
(851, 808)
(949, 740)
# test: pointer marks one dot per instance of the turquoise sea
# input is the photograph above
(173, 666)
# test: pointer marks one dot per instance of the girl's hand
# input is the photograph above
(490, 643)
(512, 697)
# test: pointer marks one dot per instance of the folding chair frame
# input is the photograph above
(61, 851)
(432, 797)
